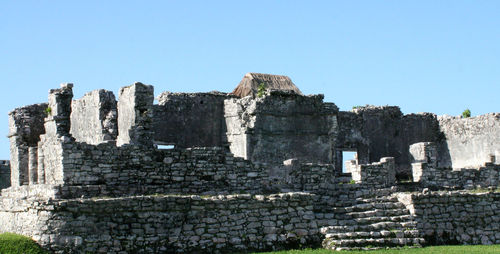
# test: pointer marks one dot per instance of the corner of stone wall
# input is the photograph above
(381, 173)
(94, 117)
(135, 112)
(50, 152)
(424, 159)
(26, 124)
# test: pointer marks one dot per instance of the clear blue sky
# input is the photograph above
(424, 56)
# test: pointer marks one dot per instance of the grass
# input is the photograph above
(13, 243)
(483, 190)
(465, 249)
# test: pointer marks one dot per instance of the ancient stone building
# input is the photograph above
(257, 169)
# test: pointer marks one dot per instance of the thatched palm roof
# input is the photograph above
(250, 83)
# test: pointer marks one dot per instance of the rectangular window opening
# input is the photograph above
(349, 159)
(165, 147)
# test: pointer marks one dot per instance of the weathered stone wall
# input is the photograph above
(427, 170)
(131, 170)
(25, 127)
(380, 174)
(49, 153)
(455, 217)
(429, 176)
(309, 176)
(190, 119)
(469, 141)
(135, 112)
(93, 117)
(376, 132)
(281, 125)
(165, 224)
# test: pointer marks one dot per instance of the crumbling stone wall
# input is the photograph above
(429, 173)
(25, 128)
(76, 190)
(429, 176)
(135, 112)
(166, 223)
(49, 165)
(281, 125)
(309, 176)
(377, 132)
(94, 117)
(456, 217)
(190, 119)
(380, 174)
(129, 170)
(469, 141)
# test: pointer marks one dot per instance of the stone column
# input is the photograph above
(57, 122)
(41, 166)
(57, 135)
(390, 170)
(424, 152)
(135, 112)
(26, 124)
(32, 165)
(19, 161)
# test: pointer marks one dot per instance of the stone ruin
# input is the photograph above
(256, 169)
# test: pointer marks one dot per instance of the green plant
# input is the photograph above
(48, 111)
(261, 90)
(352, 181)
(355, 107)
(14, 243)
(466, 113)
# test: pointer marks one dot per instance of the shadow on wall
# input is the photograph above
(377, 132)
(4, 174)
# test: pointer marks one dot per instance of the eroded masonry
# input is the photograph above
(260, 168)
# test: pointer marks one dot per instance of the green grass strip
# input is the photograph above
(451, 249)
(15, 244)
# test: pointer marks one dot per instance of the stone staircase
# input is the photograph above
(371, 223)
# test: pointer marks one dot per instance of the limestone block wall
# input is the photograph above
(469, 141)
(380, 174)
(26, 124)
(135, 112)
(311, 177)
(455, 217)
(469, 178)
(49, 153)
(375, 132)
(94, 117)
(107, 170)
(281, 125)
(166, 224)
(190, 119)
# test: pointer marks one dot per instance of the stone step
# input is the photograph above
(375, 242)
(371, 220)
(377, 213)
(374, 234)
(361, 207)
(377, 199)
(369, 227)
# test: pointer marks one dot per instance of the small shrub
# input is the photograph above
(261, 90)
(352, 181)
(48, 111)
(466, 113)
(14, 243)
